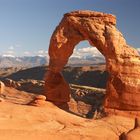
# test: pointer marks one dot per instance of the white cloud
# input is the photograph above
(88, 51)
(18, 45)
(9, 53)
(26, 53)
(42, 53)
(11, 48)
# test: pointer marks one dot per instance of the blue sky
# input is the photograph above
(26, 25)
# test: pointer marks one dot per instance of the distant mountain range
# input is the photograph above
(26, 61)
(87, 56)
(33, 61)
(86, 61)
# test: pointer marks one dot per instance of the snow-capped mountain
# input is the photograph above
(80, 57)
(26, 61)
(33, 61)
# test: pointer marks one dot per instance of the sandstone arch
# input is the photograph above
(122, 61)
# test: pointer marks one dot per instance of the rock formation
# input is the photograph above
(2, 86)
(134, 134)
(11, 83)
(39, 101)
(28, 85)
(122, 61)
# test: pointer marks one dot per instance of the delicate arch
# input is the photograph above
(99, 29)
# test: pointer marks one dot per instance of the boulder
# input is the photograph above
(38, 101)
(2, 87)
(41, 97)
(2, 100)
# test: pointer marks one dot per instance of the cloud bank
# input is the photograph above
(86, 52)
(80, 53)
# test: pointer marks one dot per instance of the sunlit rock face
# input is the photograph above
(2, 86)
(122, 61)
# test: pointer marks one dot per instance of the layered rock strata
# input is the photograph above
(122, 61)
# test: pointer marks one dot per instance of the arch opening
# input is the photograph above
(86, 67)
(85, 55)
(87, 76)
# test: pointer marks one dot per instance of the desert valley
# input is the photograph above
(68, 91)
(83, 119)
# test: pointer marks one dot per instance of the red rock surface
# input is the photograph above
(122, 61)
(23, 122)
(19, 121)
(135, 133)
(39, 100)
(2, 87)
(57, 88)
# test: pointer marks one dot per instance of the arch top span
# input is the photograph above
(106, 18)
(100, 30)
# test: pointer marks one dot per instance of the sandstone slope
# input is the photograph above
(24, 122)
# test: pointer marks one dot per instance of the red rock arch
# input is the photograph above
(122, 61)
